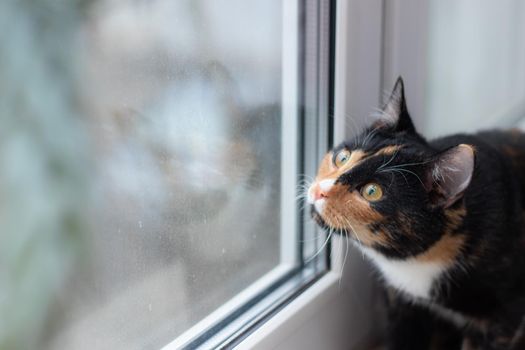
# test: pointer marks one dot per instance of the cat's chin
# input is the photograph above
(318, 218)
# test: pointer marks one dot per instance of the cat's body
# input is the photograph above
(483, 292)
(444, 223)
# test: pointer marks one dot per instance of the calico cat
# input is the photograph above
(442, 220)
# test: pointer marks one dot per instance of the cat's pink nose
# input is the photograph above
(318, 193)
(319, 190)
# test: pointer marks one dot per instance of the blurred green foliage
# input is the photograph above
(44, 191)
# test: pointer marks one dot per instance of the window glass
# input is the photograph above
(148, 166)
(184, 101)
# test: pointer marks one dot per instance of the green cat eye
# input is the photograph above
(372, 192)
(341, 158)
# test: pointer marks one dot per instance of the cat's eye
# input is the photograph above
(372, 192)
(341, 158)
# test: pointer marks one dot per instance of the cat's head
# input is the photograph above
(389, 190)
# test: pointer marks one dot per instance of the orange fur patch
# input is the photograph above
(511, 151)
(455, 218)
(449, 246)
(445, 250)
(389, 150)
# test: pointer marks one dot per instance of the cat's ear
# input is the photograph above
(450, 174)
(394, 114)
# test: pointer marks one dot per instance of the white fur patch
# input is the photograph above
(410, 276)
(319, 205)
(326, 185)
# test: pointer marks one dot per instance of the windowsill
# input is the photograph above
(299, 311)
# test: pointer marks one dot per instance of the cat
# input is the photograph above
(442, 221)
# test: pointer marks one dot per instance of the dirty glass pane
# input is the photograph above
(140, 168)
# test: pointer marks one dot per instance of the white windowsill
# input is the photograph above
(299, 311)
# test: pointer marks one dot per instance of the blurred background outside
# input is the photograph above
(140, 166)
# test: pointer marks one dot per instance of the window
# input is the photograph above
(157, 148)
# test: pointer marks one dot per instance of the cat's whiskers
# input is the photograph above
(392, 178)
(302, 188)
(369, 136)
(301, 195)
(410, 164)
(344, 232)
(403, 170)
(340, 251)
(331, 231)
(346, 255)
(304, 184)
(345, 222)
(303, 206)
(341, 229)
(395, 171)
(357, 237)
(317, 237)
(355, 130)
(390, 161)
(304, 203)
(305, 180)
(306, 177)
(347, 238)
(311, 220)
(400, 168)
